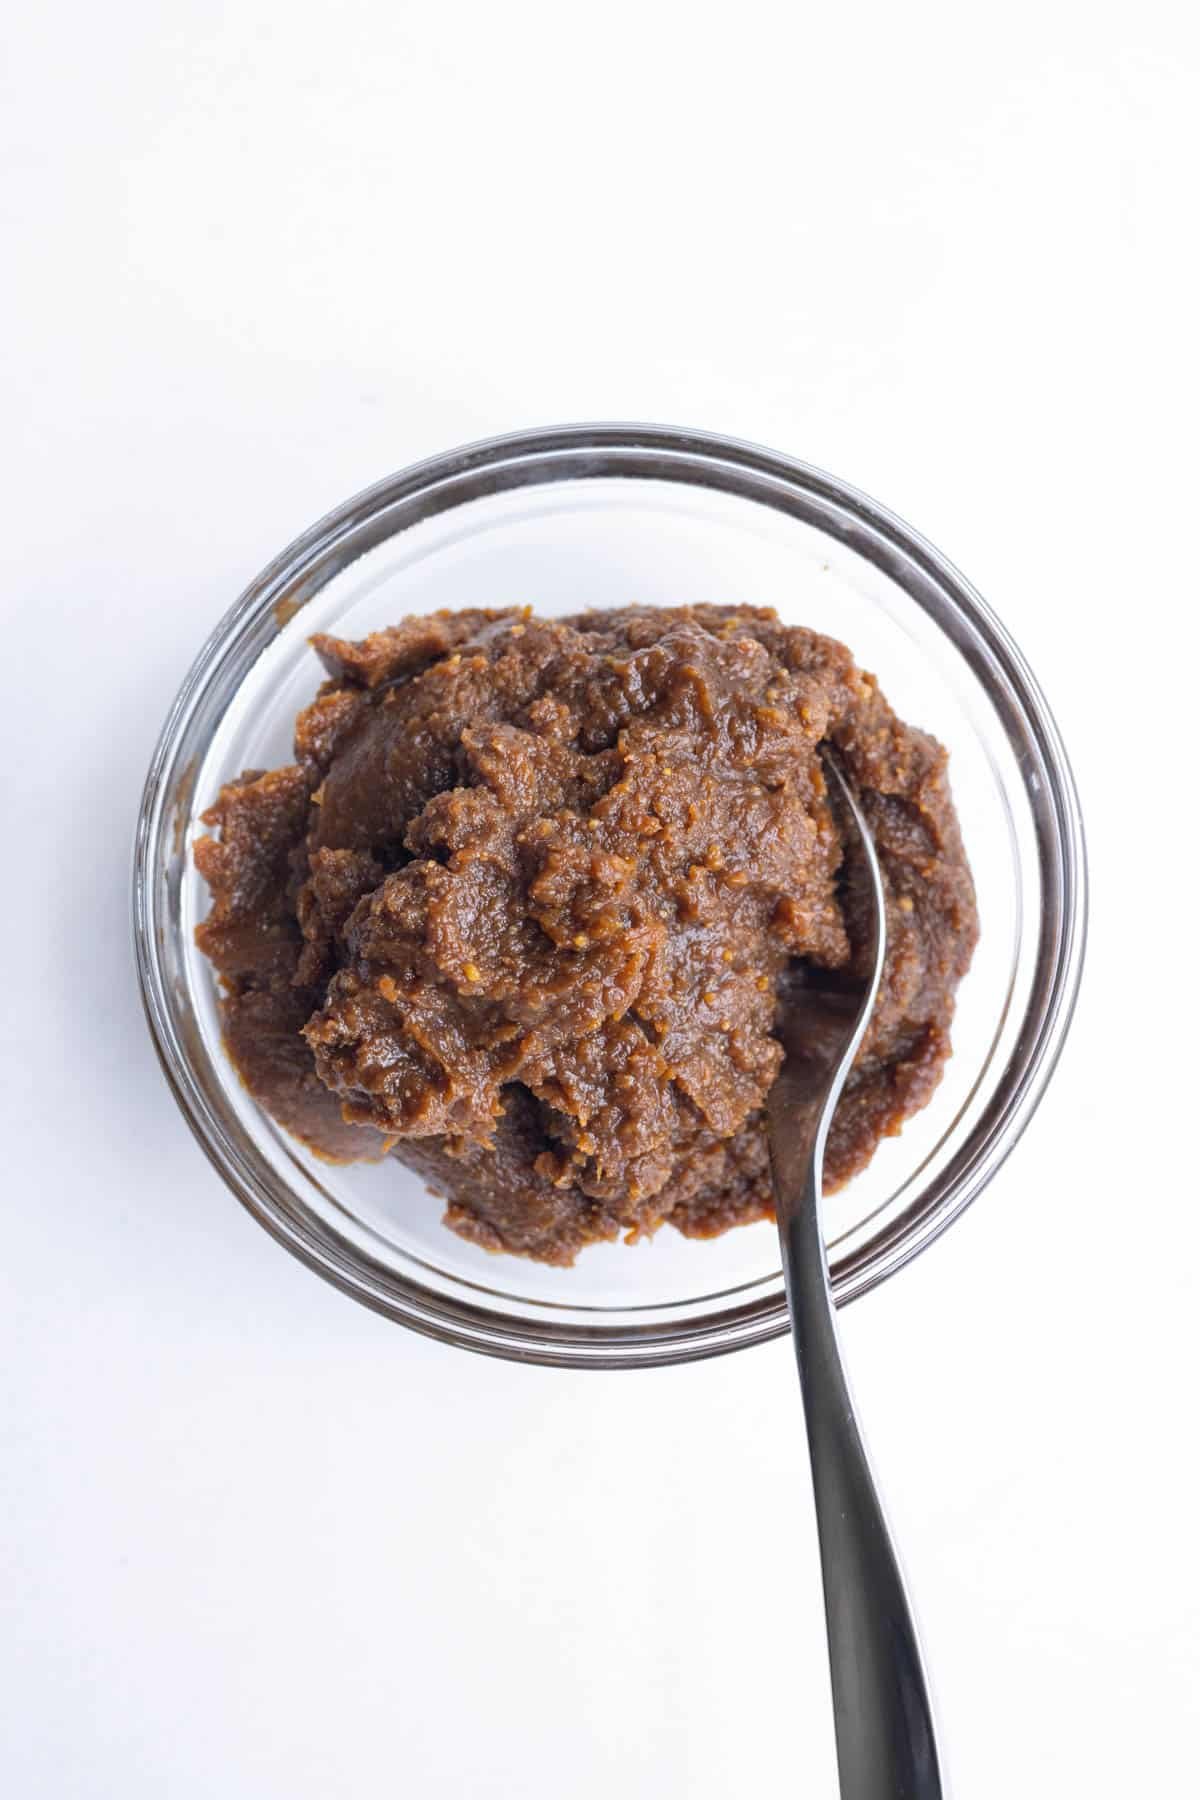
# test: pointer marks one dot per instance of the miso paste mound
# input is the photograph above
(517, 912)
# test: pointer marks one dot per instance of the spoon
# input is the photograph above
(882, 1716)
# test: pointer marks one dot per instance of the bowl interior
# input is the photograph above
(594, 540)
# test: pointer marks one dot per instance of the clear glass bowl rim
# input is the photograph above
(696, 458)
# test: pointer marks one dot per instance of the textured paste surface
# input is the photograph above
(517, 912)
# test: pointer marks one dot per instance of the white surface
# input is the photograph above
(256, 1542)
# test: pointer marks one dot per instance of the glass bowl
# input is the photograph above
(595, 516)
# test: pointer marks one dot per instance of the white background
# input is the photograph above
(256, 1542)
